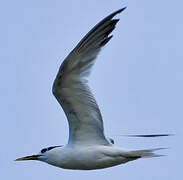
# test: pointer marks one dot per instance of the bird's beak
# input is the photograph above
(33, 157)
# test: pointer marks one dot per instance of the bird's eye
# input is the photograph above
(44, 150)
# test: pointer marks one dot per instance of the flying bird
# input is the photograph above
(87, 147)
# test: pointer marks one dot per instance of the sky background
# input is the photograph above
(137, 81)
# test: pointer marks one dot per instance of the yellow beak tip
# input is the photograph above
(17, 160)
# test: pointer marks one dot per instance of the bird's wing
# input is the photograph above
(72, 92)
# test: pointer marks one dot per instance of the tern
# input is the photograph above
(88, 148)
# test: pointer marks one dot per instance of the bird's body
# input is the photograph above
(87, 148)
(88, 157)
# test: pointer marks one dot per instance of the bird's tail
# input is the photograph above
(146, 153)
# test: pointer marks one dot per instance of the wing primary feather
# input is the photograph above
(98, 27)
(105, 41)
(148, 135)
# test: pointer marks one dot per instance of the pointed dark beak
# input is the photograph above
(33, 157)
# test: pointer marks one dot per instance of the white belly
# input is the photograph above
(87, 158)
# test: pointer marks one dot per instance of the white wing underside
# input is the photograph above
(72, 92)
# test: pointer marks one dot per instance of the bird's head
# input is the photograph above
(41, 156)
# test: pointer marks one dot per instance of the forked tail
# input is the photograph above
(146, 153)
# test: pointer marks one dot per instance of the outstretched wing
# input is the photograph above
(72, 92)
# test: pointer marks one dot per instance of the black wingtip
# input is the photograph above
(114, 14)
(118, 11)
(150, 135)
(122, 9)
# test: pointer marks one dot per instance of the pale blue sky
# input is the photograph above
(137, 81)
